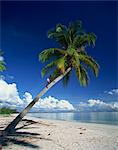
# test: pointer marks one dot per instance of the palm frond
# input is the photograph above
(91, 38)
(74, 58)
(55, 74)
(91, 63)
(60, 34)
(60, 64)
(47, 54)
(75, 28)
(84, 39)
(73, 40)
(82, 75)
(2, 63)
(70, 50)
(66, 78)
(47, 68)
(2, 66)
(80, 40)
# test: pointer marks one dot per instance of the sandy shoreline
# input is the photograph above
(42, 134)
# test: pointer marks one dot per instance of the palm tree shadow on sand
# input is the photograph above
(21, 138)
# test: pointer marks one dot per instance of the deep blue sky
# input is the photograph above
(24, 36)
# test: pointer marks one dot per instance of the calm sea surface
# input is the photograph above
(90, 117)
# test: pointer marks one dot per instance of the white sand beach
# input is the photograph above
(42, 134)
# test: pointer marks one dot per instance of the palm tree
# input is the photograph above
(71, 55)
(2, 63)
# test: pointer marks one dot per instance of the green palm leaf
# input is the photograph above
(90, 62)
(72, 53)
(60, 64)
(75, 28)
(47, 54)
(66, 79)
(84, 40)
(47, 68)
(2, 63)
(82, 75)
(60, 34)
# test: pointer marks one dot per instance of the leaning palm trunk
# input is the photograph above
(11, 127)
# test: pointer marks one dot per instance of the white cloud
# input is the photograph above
(2, 77)
(9, 96)
(112, 92)
(97, 105)
(53, 103)
(9, 93)
(27, 98)
(1, 58)
(10, 77)
(6, 77)
(115, 91)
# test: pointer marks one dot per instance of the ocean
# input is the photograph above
(88, 117)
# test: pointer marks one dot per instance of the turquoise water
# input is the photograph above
(89, 117)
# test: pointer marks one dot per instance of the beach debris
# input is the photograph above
(48, 133)
(80, 133)
(84, 129)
